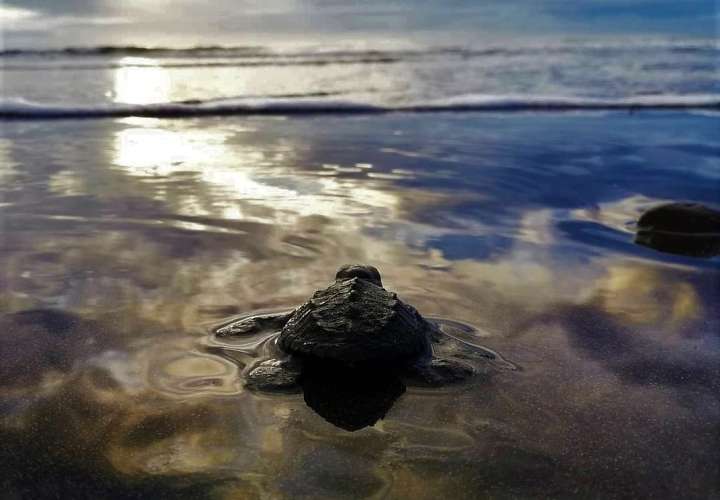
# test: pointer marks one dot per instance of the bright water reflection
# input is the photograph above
(120, 251)
(140, 80)
(227, 162)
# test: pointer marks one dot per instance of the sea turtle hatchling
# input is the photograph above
(353, 323)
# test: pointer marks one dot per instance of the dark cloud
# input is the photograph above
(60, 7)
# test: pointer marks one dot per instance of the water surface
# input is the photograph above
(521, 73)
(125, 241)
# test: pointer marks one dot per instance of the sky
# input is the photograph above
(183, 23)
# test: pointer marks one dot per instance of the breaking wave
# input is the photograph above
(23, 109)
(684, 46)
(109, 57)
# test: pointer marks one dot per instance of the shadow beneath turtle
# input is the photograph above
(350, 398)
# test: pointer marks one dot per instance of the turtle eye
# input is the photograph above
(374, 274)
(364, 274)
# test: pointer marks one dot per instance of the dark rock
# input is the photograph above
(686, 218)
(690, 245)
(681, 228)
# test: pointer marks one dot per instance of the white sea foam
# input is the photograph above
(627, 73)
(23, 109)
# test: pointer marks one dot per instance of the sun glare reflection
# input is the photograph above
(230, 177)
(154, 151)
(140, 80)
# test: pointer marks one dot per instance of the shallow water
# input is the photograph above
(125, 242)
(520, 73)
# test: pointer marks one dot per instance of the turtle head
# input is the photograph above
(367, 273)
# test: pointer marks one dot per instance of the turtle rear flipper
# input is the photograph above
(439, 372)
(274, 375)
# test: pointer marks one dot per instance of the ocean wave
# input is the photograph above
(205, 64)
(331, 52)
(128, 50)
(245, 53)
(563, 57)
(22, 109)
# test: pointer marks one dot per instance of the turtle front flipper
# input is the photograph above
(253, 324)
(275, 375)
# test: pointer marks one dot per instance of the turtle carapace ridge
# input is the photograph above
(356, 321)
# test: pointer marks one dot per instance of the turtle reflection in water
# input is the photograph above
(350, 347)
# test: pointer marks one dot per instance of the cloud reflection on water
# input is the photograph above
(148, 230)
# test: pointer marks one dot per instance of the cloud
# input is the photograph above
(59, 7)
(186, 22)
(10, 14)
(39, 23)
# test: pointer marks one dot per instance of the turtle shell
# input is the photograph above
(356, 321)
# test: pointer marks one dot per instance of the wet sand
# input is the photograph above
(124, 242)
